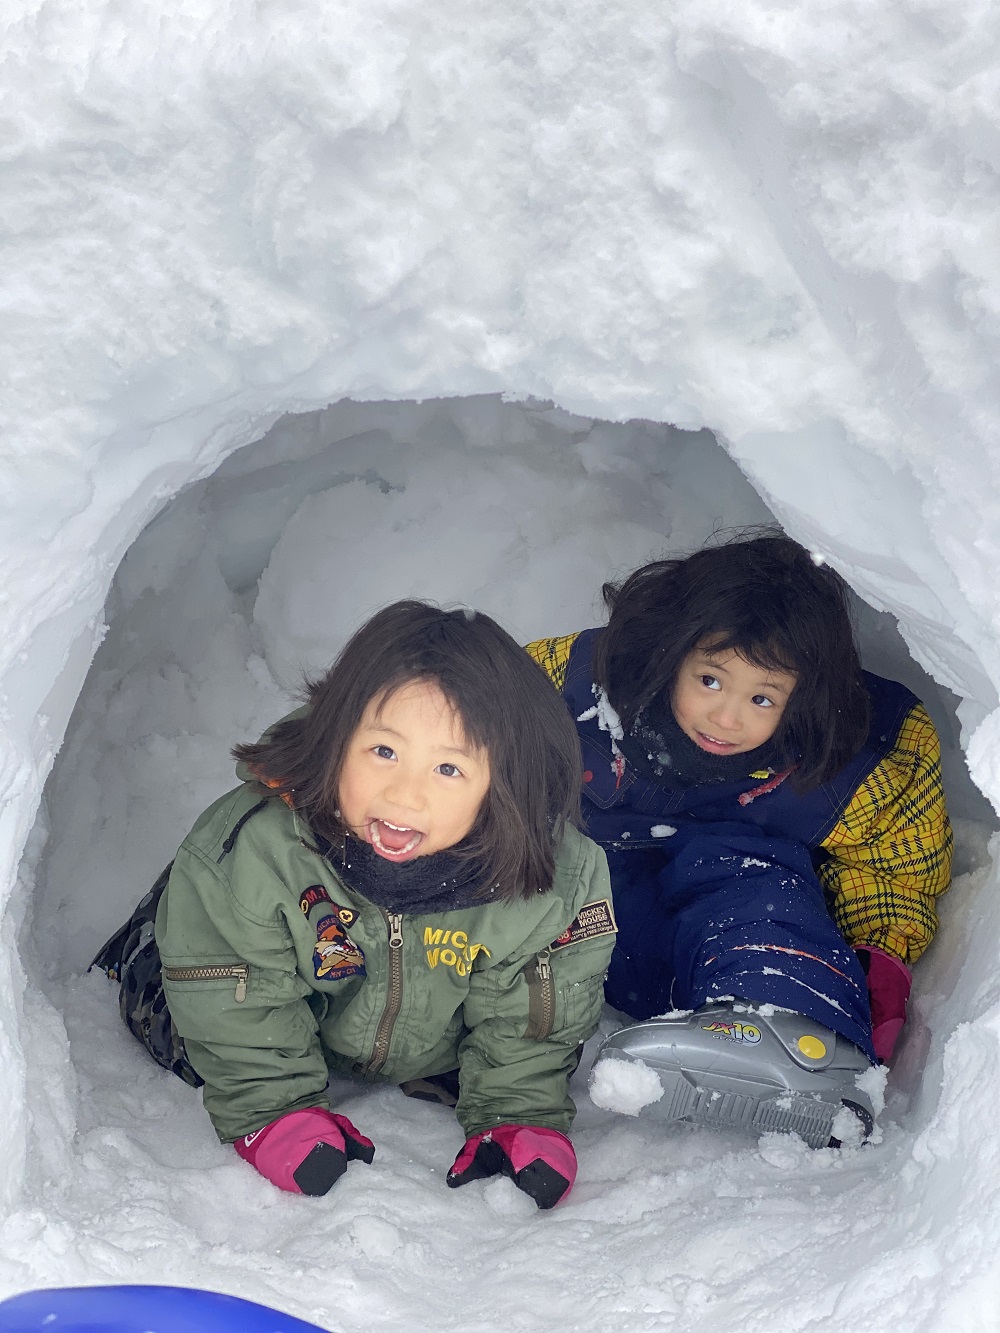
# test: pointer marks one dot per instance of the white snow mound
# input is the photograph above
(624, 1086)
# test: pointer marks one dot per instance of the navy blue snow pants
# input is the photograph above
(723, 911)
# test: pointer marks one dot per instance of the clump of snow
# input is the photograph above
(607, 719)
(783, 1151)
(872, 1082)
(662, 831)
(847, 1128)
(764, 1010)
(624, 1086)
(509, 1203)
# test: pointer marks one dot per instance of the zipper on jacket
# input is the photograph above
(541, 997)
(394, 996)
(240, 971)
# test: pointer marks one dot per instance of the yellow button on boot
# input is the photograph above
(812, 1048)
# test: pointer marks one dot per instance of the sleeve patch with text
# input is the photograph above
(592, 920)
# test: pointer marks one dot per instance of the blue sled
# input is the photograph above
(141, 1310)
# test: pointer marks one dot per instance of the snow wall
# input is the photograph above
(777, 221)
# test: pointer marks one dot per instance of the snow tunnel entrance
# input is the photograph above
(240, 584)
(260, 572)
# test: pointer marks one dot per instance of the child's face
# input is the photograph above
(725, 704)
(411, 783)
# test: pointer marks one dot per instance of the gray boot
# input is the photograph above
(739, 1066)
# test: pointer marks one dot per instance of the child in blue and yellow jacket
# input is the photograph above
(773, 815)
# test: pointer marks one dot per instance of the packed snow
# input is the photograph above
(624, 1086)
(770, 221)
(244, 583)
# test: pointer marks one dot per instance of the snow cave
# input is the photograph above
(308, 308)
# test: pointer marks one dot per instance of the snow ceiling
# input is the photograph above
(775, 220)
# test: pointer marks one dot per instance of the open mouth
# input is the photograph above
(395, 842)
(714, 746)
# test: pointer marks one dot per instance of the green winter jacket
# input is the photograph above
(276, 973)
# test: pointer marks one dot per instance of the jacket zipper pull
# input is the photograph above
(241, 983)
(395, 930)
(541, 997)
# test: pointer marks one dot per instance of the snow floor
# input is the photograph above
(675, 1228)
(241, 583)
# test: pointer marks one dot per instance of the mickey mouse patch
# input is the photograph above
(592, 920)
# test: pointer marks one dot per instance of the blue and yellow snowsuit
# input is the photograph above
(752, 889)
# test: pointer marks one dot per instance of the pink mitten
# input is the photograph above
(539, 1161)
(889, 982)
(305, 1152)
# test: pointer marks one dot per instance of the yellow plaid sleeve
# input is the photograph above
(553, 656)
(890, 854)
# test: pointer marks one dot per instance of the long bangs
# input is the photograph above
(763, 597)
(506, 704)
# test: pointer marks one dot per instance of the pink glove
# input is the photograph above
(889, 982)
(539, 1161)
(305, 1152)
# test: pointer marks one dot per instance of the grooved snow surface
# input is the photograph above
(774, 220)
(247, 579)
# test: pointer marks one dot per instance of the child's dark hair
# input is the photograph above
(507, 706)
(764, 597)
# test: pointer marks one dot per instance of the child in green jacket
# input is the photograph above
(397, 891)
